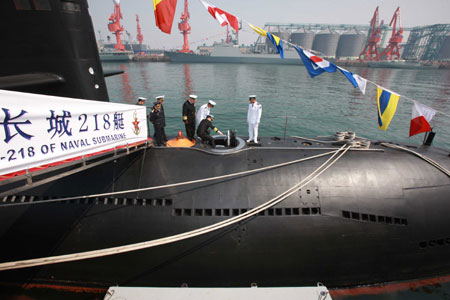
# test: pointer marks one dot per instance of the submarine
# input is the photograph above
(294, 211)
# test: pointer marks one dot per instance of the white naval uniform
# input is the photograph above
(253, 118)
(202, 112)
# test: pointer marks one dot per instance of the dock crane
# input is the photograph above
(392, 51)
(371, 51)
(115, 27)
(185, 28)
(140, 36)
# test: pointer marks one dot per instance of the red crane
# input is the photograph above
(139, 36)
(393, 48)
(114, 25)
(371, 51)
(185, 28)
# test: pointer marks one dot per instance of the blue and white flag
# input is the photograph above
(355, 79)
(315, 64)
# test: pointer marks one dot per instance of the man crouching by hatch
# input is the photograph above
(203, 131)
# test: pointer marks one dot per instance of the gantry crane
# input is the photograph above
(371, 51)
(392, 51)
(185, 28)
(115, 27)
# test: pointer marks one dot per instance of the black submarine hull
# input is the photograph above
(373, 217)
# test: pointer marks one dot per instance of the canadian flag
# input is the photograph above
(221, 16)
(421, 118)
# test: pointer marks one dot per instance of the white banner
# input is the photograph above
(36, 130)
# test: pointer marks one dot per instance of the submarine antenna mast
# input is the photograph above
(185, 28)
(393, 48)
(371, 51)
(114, 25)
(140, 36)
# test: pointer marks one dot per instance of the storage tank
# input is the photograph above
(302, 37)
(350, 44)
(444, 52)
(326, 42)
(284, 35)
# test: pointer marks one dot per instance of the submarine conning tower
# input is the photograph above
(49, 47)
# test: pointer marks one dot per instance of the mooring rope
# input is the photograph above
(178, 237)
(172, 184)
(425, 158)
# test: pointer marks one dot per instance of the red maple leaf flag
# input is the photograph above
(221, 16)
(420, 119)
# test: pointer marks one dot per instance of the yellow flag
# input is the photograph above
(387, 105)
(258, 30)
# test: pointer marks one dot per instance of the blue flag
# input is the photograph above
(355, 79)
(315, 64)
(277, 42)
(349, 76)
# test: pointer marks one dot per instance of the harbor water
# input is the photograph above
(293, 103)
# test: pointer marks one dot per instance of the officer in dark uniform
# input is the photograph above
(189, 116)
(157, 120)
(141, 101)
(203, 130)
(160, 100)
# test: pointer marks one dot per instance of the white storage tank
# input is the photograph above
(326, 42)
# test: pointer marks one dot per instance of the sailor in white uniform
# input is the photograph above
(203, 111)
(253, 118)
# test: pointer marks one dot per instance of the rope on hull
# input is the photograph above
(178, 237)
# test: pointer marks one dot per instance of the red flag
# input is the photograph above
(164, 13)
(421, 118)
(221, 16)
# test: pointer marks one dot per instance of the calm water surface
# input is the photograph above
(318, 106)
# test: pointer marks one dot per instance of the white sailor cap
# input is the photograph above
(142, 99)
(252, 96)
(212, 102)
(159, 97)
(193, 97)
(210, 116)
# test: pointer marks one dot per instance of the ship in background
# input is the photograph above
(345, 44)
(380, 215)
(118, 53)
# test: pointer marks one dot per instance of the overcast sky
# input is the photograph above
(205, 29)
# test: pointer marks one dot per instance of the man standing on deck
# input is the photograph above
(189, 116)
(204, 110)
(253, 118)
(157, 120)
(203, 131)
(160, 100)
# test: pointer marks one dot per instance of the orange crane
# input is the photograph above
(115, 27)
(371, 51)
(392, 51)
(185, 28)
(140, 36)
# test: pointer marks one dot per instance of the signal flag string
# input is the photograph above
(318, 53)
(375, 84)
